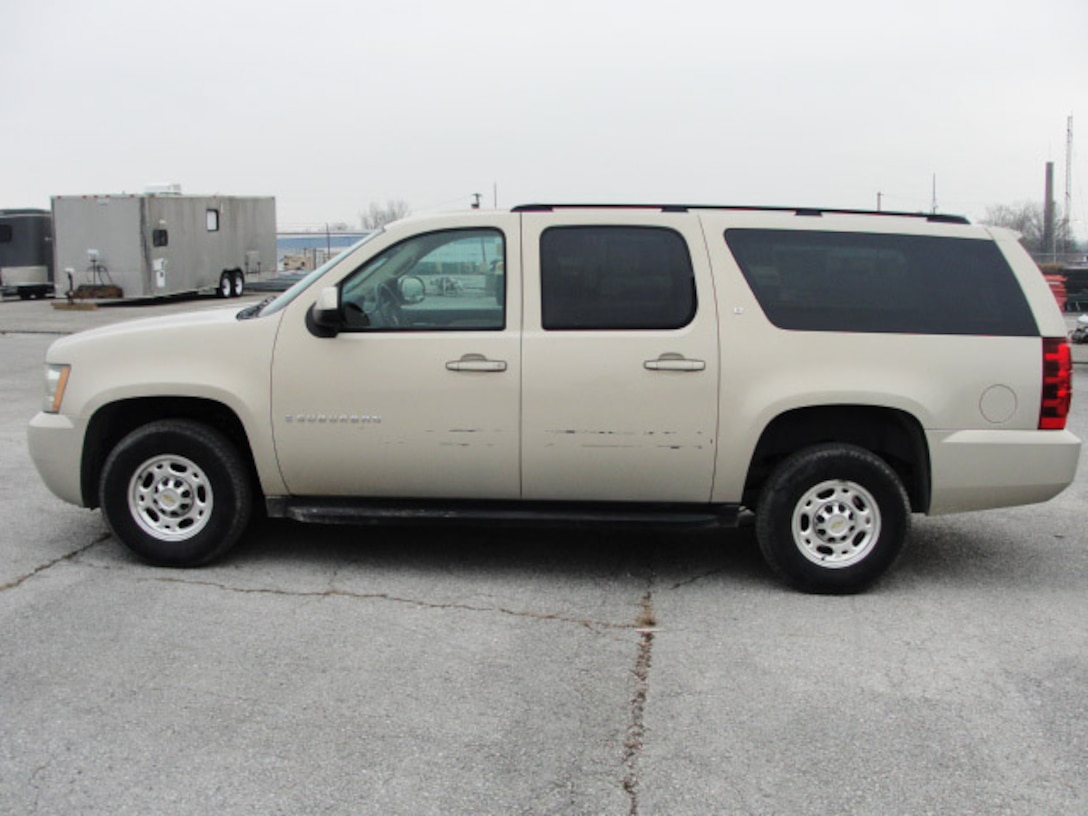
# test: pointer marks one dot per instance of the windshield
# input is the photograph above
(303, 284)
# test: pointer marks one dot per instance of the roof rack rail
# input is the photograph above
(939, 218)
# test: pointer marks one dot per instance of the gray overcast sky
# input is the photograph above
(331, 105)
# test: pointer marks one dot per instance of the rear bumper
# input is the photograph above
(977, 470)
(56, 446)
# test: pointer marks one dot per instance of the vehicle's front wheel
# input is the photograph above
(176, 492)
(226, 286)
(832, 519)
(237, 284)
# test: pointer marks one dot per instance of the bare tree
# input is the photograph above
(377, 216)
(1027, 218)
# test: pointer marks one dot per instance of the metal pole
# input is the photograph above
(1066, 212)
(1048, 212)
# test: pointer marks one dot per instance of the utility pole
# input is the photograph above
(934, 206)
(1066, 212)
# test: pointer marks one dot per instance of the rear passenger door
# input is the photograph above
(619, 356)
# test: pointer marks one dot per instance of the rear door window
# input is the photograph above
(613, 277)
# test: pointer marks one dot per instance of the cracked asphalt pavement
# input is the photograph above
(430, 670)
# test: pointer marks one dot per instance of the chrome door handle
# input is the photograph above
(475, 362)
(670, 361)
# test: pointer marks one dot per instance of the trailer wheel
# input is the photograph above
(238, 284)
(226, 286)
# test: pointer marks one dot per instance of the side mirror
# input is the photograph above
(325, 319)
(412, 289)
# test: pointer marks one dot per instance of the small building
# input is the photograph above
(302, 251)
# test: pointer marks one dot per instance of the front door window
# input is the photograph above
(439, 281)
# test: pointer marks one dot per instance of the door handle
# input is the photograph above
(671, 361)
(475, 362)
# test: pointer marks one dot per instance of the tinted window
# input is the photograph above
(5, 233)
(453, 279)
(159, 238)
(861, 282)
(615, 278)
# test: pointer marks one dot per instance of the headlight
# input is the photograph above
(56, 378)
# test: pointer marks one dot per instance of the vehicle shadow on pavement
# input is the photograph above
(976, 551)
(967, 552)
(671, 555)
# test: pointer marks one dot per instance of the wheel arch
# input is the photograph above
(112, 422)
(893, 435)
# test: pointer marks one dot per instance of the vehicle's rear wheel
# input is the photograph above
(237, 284)
(176, 493)
(226, 286)
(832, 519)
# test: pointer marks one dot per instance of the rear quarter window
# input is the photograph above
(864, 282)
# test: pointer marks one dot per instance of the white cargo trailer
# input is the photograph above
(157, 244)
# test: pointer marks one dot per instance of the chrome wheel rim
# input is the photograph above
(836, 523)
(238, 286)
(170, 498)
(225, 286)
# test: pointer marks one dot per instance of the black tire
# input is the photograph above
(237, 284)
(226, 286)
(832, 519)
(192, 502)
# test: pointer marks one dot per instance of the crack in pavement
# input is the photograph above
(646, 626)
(695, 578)
(60, 560)
(588, 623)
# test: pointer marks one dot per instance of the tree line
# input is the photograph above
(1028, 218)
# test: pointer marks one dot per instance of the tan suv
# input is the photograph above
(830, 371)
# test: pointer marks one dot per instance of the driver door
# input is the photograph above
(419, 396)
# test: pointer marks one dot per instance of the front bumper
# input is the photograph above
(56, 446)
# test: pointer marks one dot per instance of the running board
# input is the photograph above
(403, 511)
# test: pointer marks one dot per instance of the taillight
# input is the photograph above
(1057, 384)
